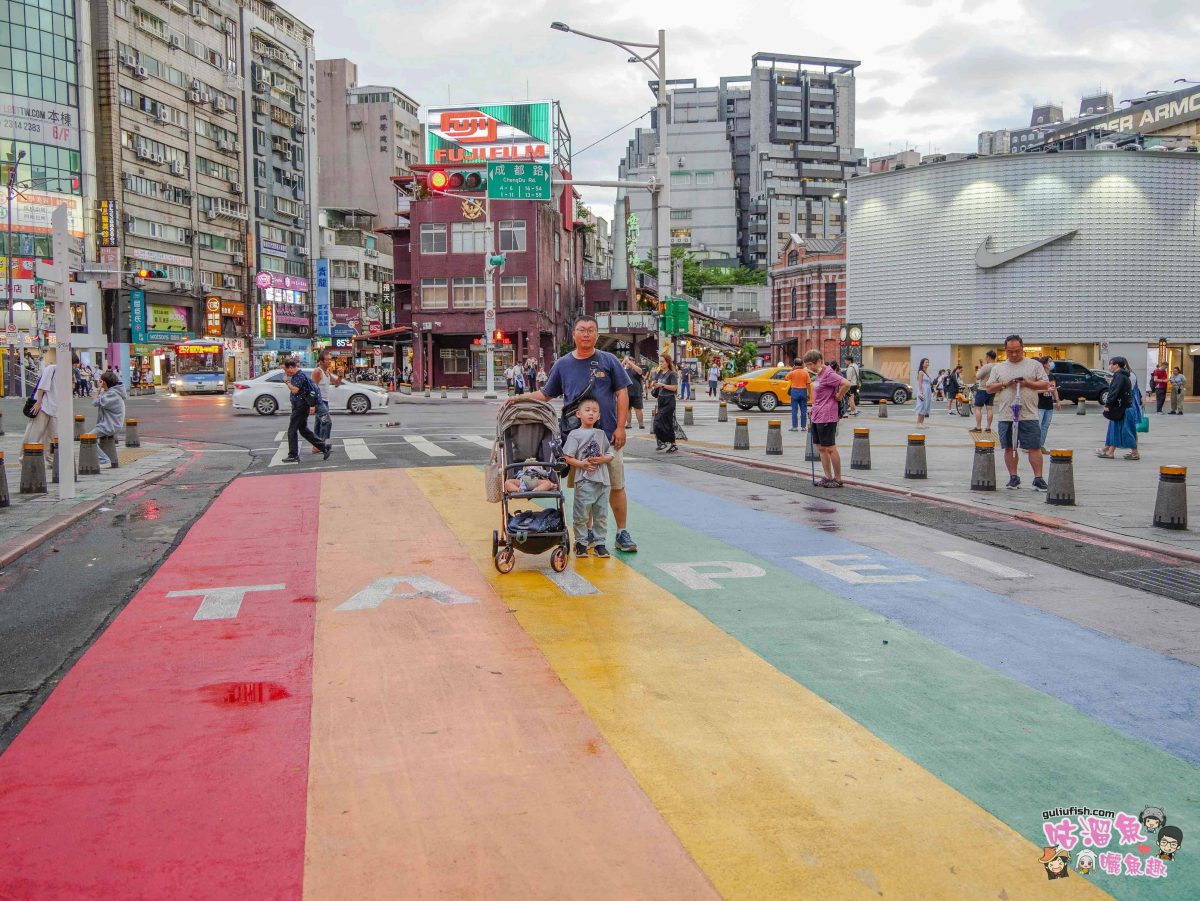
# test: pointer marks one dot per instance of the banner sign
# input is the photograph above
(265, 280)
(476, 133)
(137, 316)
(212, 316)
(31, 213)
(233, 308)
(324, 319)
(267, 320)
(108, 228)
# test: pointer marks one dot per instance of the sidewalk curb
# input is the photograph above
(15, 548)
(1036, 520)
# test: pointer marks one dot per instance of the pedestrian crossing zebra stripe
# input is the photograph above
(427, 447)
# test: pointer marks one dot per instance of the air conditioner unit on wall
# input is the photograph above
(174, 42)
(301, 251)
(195, 97)
(239, 259)
(140, 73)
(210, 215)
(176, 167)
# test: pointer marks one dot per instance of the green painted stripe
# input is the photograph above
(1009, 748)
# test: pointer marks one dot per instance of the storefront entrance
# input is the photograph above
(503, 360)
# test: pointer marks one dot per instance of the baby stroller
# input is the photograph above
(527, 435)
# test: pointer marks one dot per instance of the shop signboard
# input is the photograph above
(137, 316)
(267, 320)
(343, 331)
(212, 316)
(323, 317)
(235, 309)
(265, 280)
(108, 227)
(375, 327)
(476, 133)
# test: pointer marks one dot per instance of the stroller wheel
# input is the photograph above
(558, 560)
(506, 559)
(495, 542)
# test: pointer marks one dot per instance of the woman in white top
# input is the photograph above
(324, 375)
(924, 391)
(43, 427)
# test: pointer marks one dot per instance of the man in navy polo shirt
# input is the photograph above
(610, 387)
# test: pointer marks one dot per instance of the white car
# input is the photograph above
(267, 394)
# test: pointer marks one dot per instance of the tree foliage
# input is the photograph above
(697, 276)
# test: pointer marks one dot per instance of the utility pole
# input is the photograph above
(56, 279)
(489, 300)
(8, 273)
(662, 175)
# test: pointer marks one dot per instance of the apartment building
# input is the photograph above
(360, 271)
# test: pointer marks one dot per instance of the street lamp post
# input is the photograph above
(656, 62)
(8, 261)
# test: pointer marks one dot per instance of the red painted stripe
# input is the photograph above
(172, 761)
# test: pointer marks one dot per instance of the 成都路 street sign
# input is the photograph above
(518, 181)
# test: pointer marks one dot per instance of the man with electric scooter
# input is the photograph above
(1015, 383)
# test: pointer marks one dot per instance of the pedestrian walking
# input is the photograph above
(305, 398)
(939, 385)
(508, 378)
(1123, 410)
(983, 399)
(324, 378)
(924, 391)
(1178, 383)
(637, 399)
(1016, 382)
(666, 383)
(828, 390)
(43, 426)
(799, 380)
(588, 451)
(1158, 384)
(588, 372)
(1048, 401)
(953, 386)
(714, 376)
(853, 375)
(110, 409)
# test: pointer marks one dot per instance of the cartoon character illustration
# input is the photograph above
(1085, 862)
(1055, 861)
(1152, 819)
(1170, 840)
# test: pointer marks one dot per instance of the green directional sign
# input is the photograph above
(518, 181)
(676, 319)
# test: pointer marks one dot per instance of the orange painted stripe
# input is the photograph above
(447, 759)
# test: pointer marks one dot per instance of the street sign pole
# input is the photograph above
(489, 301)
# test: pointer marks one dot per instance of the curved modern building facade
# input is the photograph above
(1086, 255)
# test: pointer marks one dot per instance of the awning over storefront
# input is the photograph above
(387, 336)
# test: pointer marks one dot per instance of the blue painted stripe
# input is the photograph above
(1139, 692)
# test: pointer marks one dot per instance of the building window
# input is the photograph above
(795, 304)
(514, 291)
(831, 298)
(681, 179)
(455, 361)
(807, 300)
(468, 237)
(512, 235)
(705, 178)
(793, 258)
(435, 293)
(469, 293)
(784, 218)
(433, 238)
(681, 214)
(557, 246)
(557, 297)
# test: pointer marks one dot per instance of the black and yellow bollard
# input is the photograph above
(131, 433)
(774, 438)
(33, 469)
(914, 460)
(741, 434)
(860, 450)
(1081, 407)
(89, 457)
(722, 412)
(1061, 479)
(108, 446)
(983, 466)
(688, 418)
(78, 427)
(883, 405)
(4, 501)
(443, 390)
(1170, 505)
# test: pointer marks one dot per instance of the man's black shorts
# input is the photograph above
(825, 433)
(635, 397)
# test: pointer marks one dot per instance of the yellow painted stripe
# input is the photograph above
(775, 792)
(446, 759)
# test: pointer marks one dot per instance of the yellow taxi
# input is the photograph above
(765, 388)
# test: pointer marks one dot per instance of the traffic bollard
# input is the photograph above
(54, 462)
(741, 435)
(883, 404)
(131, 433)
(983, 467)
(1061, 479)
(443, 390)
(914, 460)
(1170, 506)
(465, 395)
(4, 502)
(811, 454)
(89, 458)
(33, 469)
(108, 446)
(1081, 407)
(860, 450)
(774, 438)
(1, 423)
(722, 412)
(78, 427)
(427, 391)
(688, 419)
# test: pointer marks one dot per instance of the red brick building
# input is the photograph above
(439, 249)
(808, 297)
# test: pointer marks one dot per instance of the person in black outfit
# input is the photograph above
(304, 403)
(636, 378)
(666, 383)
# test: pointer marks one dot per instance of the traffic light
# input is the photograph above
(439, 180)
(454, 181)
(151, 273)
(498, 338)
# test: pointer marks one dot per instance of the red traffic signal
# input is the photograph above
(439, 180)
(498, 338)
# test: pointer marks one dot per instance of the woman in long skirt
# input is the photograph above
(1123, 393)
(664, 387)
(924, 391)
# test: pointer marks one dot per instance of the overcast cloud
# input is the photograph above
(934, 72)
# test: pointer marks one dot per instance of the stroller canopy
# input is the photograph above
(526, 423)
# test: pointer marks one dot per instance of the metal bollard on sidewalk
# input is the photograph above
(1170, 506)
(983, 466)
(89, 457)
(1081, 407)
(883, 405)
(860, 450)
(741, 434)
(427, 391)
(443, 390)
(131, 433)
(722, 412)
(4, 501)
(914, 459)
(774, 438)
(33, 469)
(54, 462)
(108, 445)
(78, 427)
(465, 396)
(688, 418)
(1061, 479)
(1, 423)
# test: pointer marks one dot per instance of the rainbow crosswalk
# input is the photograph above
(290, 708)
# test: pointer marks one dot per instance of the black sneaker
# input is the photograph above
(1039, 484)
(602, 551)
(581, 549)
(290, 460)
(328, 450)
(1013, 482)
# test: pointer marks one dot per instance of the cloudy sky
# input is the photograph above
(934, 72)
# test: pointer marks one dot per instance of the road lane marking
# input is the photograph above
(221, 603)
(991, 566)
(280, 436)
(478, 439)
(384, 589)
(356, 449)
(691, 576)
(280, 453)
(853, 567)
(571, 583)
(425, 446)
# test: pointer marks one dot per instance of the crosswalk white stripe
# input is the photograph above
(425, 446)
(478, 439)
(356, 449)
(280, 453)
(279, 436)
(991, 566)
(571, 583)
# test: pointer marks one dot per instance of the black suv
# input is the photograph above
(1074, 380)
